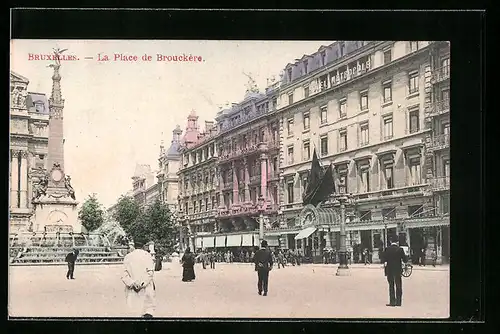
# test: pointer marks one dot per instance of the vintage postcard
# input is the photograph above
(229, 179)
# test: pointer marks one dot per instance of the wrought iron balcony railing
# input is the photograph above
(440, 74)
(440, 142)
(440, 183)
(439, 107)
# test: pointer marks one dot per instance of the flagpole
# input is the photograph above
(317, 155)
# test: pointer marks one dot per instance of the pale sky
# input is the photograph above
(116, 113)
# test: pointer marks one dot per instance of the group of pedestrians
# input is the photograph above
(139, 267)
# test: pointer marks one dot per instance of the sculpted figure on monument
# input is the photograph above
(67, 184)
(40, 188)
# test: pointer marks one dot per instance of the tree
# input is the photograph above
(155, 224)
(91, 214)
(159, 221)
(126, 213)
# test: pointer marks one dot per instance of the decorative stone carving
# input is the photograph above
(67, 184)
(40, 187)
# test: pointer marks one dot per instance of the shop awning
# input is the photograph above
(208, 242)
(198, 242)
(247, 240)
(305, 233)
(272, 242)
(233, 240)
(220, 241)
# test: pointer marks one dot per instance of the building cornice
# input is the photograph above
(322, 95)
(337, 63)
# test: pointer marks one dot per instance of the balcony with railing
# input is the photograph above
(246, 151)
(255, 179)
(440, 183)
(438, 107)
(201, 215)
(440, 74)
(292, 206)
(229, 125)
(246, 209)
(383, 194)
(439, 142)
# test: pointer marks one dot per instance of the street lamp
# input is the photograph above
(343, 199)
(261, 208)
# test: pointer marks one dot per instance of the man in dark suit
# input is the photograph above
(71, 260)
(393, 258)
(263, 260)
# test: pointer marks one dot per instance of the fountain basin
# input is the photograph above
(41, 248)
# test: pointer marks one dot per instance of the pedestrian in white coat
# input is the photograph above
(138, 277)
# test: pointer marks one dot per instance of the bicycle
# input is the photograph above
(407, 270)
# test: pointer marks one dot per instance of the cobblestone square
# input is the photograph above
(230, 291)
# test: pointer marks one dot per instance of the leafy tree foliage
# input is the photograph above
(92, 213)
(154, 223)
(127, 211)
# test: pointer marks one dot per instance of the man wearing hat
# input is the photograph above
(263, 260)
(393, 259)
(138, 278)
(71, 260)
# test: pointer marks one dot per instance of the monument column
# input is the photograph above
(24, 179)
(57, 202)
(14, 189)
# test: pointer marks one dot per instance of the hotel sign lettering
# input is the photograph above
(351, 71)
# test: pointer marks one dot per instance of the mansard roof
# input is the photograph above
(174, 150)
(141, 170)
(37, 98)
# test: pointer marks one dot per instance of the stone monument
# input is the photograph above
(53, 196)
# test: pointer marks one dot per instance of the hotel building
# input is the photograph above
(370, 109)
(197, 183)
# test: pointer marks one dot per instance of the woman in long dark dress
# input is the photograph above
(188, 260)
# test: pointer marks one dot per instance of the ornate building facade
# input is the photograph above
(197, 182)
(145, 190)
(437, 141)
(169, 163)
(362, 106)
(29, 124)
(247, 168)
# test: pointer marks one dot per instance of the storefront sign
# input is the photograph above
(350, 72)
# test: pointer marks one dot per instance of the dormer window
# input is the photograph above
(323, 58)
(39, 107)
(342, 49)
(305, 67)
(289, 75)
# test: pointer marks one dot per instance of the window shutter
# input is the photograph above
(407, 121)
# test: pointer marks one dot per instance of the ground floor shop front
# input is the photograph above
(426, 240)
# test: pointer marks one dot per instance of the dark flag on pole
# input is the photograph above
(314, 180)
(325, 189)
